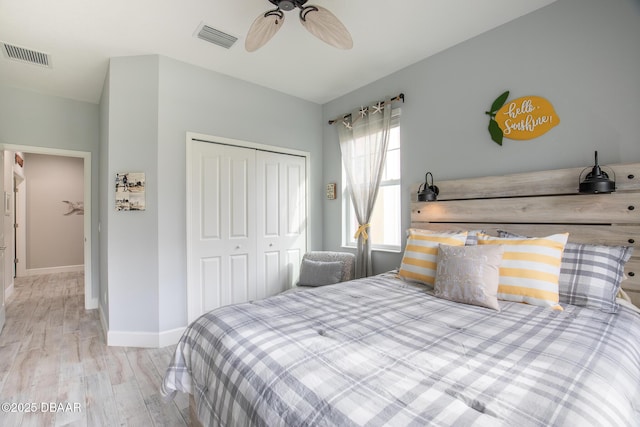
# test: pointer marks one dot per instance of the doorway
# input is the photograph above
(48, 214)
(91, 300)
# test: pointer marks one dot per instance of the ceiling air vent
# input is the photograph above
(214, 36)
(28, 56)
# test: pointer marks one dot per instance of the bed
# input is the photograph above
(389, 350)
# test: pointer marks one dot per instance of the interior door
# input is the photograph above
(221, 250)
(281, 220)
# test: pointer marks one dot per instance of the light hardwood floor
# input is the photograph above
(52, 350)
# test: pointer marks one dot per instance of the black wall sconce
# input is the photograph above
(597, 181)
(426, 192)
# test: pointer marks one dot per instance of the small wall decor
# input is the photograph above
(75, 208)
(523, 118)
(130, 191)
(331, 191)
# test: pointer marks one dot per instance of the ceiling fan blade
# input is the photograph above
(325, 26)
(263, 29)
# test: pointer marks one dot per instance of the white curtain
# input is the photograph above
(364, 137)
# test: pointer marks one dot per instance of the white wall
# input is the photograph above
(582, 55)
(54, 241)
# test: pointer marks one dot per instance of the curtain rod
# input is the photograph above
(397, 98)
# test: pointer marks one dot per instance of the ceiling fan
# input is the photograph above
(318, 20)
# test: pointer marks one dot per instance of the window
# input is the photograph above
(385, 231)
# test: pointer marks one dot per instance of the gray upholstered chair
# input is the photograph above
(321, 267)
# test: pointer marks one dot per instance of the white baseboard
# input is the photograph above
(53, 270)
(132, 339)
(139, 339)
(170, 337)
(144, 339)
(90, 303)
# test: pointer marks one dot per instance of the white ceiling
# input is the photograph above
(81, 35)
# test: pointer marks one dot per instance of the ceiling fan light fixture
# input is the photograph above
(317, 20)
(286, 5)
(263, 29)
(325, 26)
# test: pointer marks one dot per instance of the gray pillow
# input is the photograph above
(591, 275)
(319, 273)
(469, 274)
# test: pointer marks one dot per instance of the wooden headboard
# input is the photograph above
(542, 203)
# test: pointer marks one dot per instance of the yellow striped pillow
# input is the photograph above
(419, 259)
(530, 268)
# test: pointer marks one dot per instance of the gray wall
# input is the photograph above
(105, 186)
(582, 55)
(153, 101)
(196, 100)
(132, 237)
(31, 119)
(53, 239)
(579, 54)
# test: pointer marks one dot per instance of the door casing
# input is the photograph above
(90, 300)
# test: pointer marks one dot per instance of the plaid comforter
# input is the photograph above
(378, 351)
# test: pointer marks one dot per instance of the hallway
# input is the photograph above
(53, 358)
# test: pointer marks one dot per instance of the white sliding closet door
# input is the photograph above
(222, 250)
(246, 224)
(281, 215)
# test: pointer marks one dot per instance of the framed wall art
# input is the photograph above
(130, 191)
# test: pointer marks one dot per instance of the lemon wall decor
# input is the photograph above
(523, 118)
